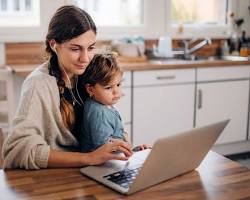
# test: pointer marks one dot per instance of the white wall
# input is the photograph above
(240, 8)
(244, 12)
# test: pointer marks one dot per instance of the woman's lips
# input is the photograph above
(81, 66)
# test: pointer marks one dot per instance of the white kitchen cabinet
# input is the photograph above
(222, 93)
(163, 103)
(6, 98)
(124, 105)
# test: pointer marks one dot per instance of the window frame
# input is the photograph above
(164, 25)
(151, 29)
(145, 30)
(31, 33)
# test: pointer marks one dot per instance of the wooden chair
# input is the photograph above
(1, 145)
(6, 94)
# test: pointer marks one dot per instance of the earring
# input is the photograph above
(54, 49)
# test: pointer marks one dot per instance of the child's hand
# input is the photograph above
(141, 147)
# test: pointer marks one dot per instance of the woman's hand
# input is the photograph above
(108, 152)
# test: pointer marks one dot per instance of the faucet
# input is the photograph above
(187, 52)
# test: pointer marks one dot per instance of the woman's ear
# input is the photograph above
(52, 44)
(89, 89)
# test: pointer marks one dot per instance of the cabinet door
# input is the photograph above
(161, 111)
(222, 100)
(124, 106)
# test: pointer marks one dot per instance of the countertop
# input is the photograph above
(24, 70)
(217, 178)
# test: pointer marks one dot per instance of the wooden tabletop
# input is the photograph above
(217, 178)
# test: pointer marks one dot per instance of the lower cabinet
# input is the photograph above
(223, 93)
(163, 104)
(124, 108)
(124, 105)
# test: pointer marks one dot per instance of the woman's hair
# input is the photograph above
(101, 69)
(67, 23)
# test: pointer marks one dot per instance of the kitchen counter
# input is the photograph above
(24, 70)
(217, 178)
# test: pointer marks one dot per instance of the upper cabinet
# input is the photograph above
(223, 93)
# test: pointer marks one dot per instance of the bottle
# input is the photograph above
(225, 48)
(242, 40)
(243, 48)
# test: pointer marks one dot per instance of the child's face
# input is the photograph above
(108, 94)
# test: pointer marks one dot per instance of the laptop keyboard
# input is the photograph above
(123, 178)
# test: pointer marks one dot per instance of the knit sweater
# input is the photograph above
(37, 126)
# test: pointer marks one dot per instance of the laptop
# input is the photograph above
(170, 157)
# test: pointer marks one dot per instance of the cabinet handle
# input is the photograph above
(165, 77)
(199, 99)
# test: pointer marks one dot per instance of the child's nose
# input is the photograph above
(117, 90)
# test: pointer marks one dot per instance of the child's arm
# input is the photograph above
(137, 148)
(126, 137)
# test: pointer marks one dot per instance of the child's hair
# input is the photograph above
(102, 69)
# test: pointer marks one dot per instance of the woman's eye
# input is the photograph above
(91, 48)
(75, 49)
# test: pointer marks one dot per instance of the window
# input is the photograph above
(114, 13)
(198, 11)
(198, 17)
(125, 18)
(18, 13)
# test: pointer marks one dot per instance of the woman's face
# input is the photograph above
(74, 55)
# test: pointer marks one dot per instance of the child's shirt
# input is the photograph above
(100, 123)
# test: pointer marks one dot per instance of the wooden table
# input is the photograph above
(216, 178)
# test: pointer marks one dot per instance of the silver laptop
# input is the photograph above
(169, 157)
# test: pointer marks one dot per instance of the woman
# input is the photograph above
(45, 130)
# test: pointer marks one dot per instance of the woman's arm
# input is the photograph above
(99, 156)
(66, 159)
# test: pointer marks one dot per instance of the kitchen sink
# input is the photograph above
(226, 58)
(194, 59)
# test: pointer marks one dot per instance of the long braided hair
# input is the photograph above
(67, 23)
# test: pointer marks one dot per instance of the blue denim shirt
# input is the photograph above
(100, 123)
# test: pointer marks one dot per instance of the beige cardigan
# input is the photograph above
(37, 126)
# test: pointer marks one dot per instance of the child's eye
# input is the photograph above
(108, 88)
(119, 84)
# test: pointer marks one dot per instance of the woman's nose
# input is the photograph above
(84, 57)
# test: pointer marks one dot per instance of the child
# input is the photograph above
(101, 121)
